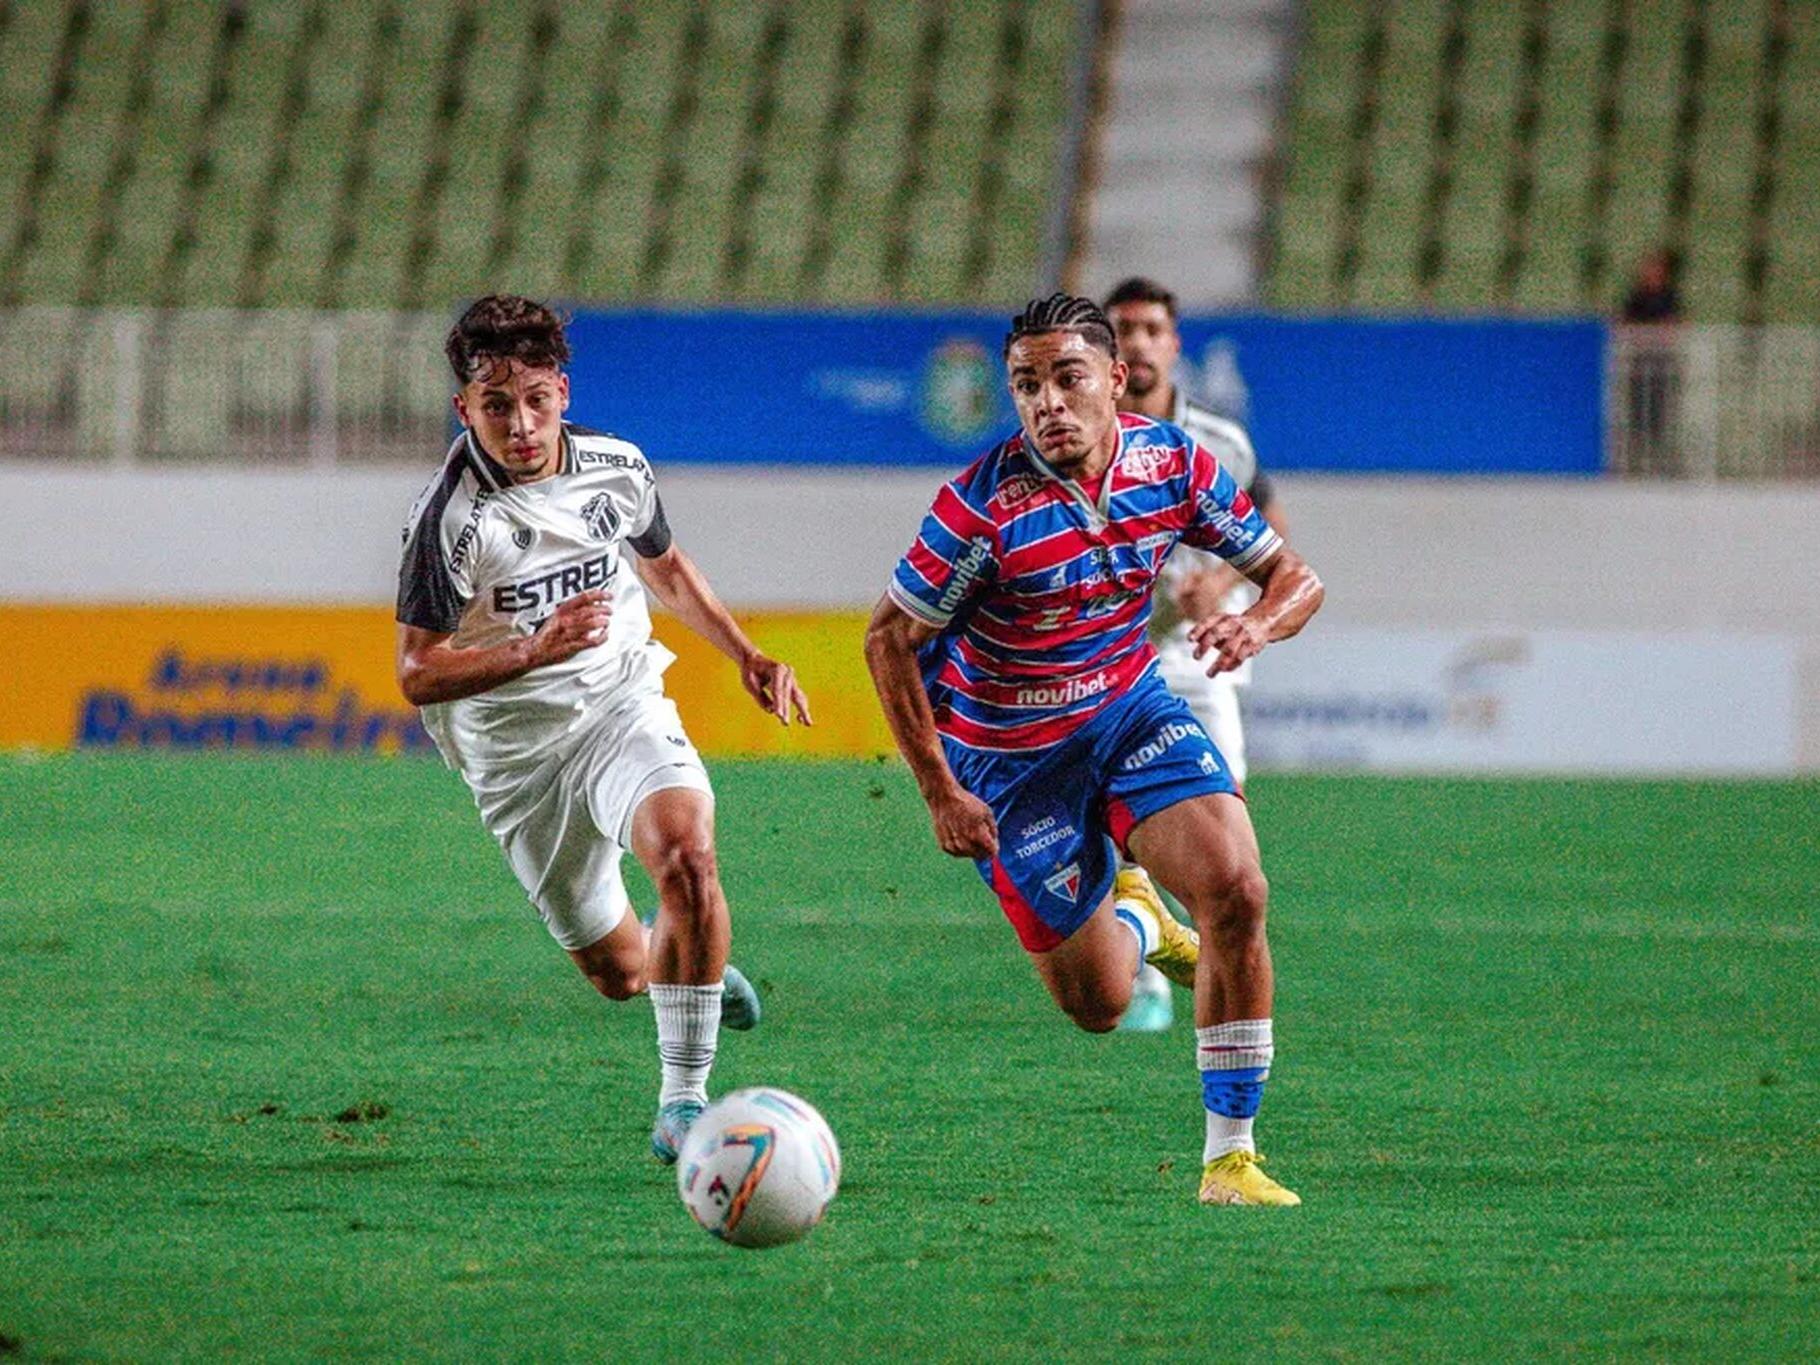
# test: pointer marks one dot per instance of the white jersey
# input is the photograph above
(1226, 442)
(486, 560)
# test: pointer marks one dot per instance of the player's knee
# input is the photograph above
(687, 870)
(617, 985)
(1096, 1008)
(1234, 906)
(1095, 1019)
(615, 969)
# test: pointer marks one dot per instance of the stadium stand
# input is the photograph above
(209, 153)
(1188, 132)
(1480, 155)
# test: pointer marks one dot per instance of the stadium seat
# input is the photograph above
(1724, 165)
(325, 166)
(1645, 145)
(1567, 199)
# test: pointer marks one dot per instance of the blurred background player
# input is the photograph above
(1012, 658)
(528, 646)
(1194, 585)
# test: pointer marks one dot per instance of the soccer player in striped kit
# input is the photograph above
(1012, 657)
(1195, 584)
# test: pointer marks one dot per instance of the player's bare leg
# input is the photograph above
(687, 944)
(1089, 973)
(615, 963)
(673, 837)
(1205, 851)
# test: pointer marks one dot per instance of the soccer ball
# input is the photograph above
(758, 1168)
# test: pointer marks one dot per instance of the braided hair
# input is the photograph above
(1064, 313)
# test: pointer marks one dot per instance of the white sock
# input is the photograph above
(1138, 918)
(1226, 1135)
(1241, 1050)
(688, 1027)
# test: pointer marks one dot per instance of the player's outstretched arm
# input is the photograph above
(963, 823)
(430, 669)
(674, 580)
(1291, 594)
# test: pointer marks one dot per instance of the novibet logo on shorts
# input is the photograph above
(1161, 742)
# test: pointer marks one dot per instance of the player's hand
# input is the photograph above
(964, 825)
(574, 626)
(1230, 639)
(773, 686)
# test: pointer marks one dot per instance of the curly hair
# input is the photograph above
(505, 327)
(1064, 313)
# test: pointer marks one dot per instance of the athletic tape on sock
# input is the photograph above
(1234, 1060)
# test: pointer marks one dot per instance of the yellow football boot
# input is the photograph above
(1236, 1179)
(1178, 947)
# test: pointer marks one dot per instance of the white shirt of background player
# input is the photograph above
(1196, 585)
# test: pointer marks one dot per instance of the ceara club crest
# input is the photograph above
(600, 516)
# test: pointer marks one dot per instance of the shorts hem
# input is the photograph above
(1034, 933)
(574, 940)
(1121, 819)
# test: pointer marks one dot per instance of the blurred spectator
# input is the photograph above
(1652, 367)
(1653, 297)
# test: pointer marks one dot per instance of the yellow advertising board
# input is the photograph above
(319, 679)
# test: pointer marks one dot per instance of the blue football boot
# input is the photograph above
(672, 1126)
(739, 1007)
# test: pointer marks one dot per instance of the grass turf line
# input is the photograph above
(288, 1068)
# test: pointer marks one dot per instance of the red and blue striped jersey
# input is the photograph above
(1043, 595)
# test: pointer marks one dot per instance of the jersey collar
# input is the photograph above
(491, 472)
(494, 474)
(1099, 512)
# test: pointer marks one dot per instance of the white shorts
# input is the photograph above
(565, 823)
(1214, 701)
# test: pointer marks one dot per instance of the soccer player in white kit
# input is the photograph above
(1194, 585)
(524, 636)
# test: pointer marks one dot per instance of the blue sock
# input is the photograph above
(1234, 1094)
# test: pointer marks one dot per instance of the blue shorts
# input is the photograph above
(1062, 810)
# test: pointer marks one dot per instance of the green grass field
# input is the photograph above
(287, 1069)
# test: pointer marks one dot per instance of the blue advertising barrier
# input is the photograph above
(1349, 395)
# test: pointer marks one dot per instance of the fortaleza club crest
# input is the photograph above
(1066, 882)
(600, 516)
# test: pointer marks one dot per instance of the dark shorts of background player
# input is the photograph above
(1062, 811)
